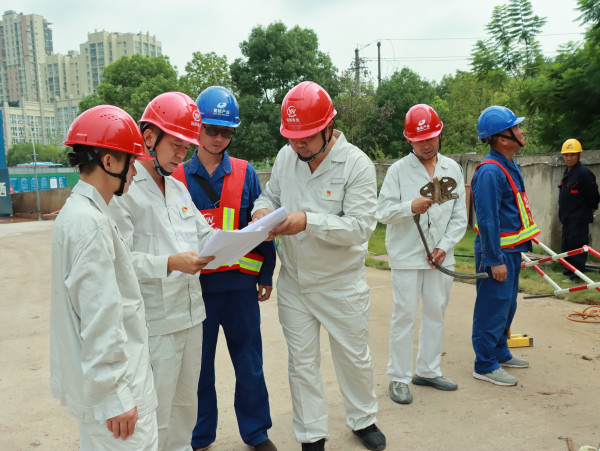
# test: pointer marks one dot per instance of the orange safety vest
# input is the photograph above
(529, 228)
(226, 217)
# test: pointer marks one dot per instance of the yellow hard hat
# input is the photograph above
(571, 146)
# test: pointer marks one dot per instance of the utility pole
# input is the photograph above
(37, 182)
(357, 71)
(378, 63)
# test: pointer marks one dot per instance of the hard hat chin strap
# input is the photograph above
(325, 144)
(152, 150)
(91, 154)
(512, 137)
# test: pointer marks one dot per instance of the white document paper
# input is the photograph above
(229, 246)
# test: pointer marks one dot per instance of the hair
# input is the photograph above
(82, 158)
(148, 125)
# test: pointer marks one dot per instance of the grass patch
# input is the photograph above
(530, 282)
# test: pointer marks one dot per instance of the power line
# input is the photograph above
(463, 38)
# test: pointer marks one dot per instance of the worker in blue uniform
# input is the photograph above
(577, 201)
(224, 190)
(505, 228)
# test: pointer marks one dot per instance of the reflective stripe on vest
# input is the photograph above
(529, 228)
(228, 219)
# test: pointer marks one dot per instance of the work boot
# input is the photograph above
(441, 383)
(498, 377)
(515, 362)
(319, 445)
(400, 393)
(371, 437)
(267, 445)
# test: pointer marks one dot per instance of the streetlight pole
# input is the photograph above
(37, 183)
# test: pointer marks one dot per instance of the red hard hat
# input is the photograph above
(421, 123)
(305, 110)
(175, 113)
(109, 127)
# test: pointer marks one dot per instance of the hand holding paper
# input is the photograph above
(229, 246)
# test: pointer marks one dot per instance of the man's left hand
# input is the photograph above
(438, 256)
(264, 292)
(294, 224)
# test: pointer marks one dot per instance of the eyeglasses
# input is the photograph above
(226, 133)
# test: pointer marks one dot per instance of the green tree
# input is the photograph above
(512, 44)
(275, 59)
(133, 81)
(565, 93)
(394, 98)
(204, 70)
(359, 117)
(23, 153)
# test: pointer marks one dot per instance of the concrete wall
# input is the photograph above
(51, 200)
(542, 174)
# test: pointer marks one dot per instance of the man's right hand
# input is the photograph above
(499, 273)
(123, 425)
(187, 262)
(260, 213)
(421, 204)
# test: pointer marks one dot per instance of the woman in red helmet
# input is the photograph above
(165, 232)
(99, 362)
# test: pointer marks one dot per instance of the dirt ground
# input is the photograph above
(556, 397)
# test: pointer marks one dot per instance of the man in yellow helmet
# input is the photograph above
(577, 200)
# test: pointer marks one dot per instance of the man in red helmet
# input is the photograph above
(329, 187)
(165, 232)
(99, 366)
(413, 276)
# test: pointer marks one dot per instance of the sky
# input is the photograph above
(432, 37)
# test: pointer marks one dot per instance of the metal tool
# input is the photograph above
(441, 191)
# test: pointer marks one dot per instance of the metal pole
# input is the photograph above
(37, 183)
(357, 71)
(378, 63)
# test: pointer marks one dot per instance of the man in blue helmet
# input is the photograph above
(224, 190)
(505, 228)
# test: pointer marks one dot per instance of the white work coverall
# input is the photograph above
(412, 276)
(155, 227)
(322, 281)
(99, 361)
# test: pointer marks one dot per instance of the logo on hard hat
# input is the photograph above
(197, 116)
(422, 126)
(291, 111)
(221, 104)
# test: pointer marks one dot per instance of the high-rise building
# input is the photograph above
(103, 48)
(25, 42)
(39, 90)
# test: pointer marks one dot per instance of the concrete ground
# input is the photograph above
(556, 397)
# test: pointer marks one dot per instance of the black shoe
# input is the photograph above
(371, 437)
(319, 445)
(573, 277)
(267, 445)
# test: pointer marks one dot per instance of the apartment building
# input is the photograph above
(40, 90)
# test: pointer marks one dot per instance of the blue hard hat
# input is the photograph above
(218, 106)
(496, 119)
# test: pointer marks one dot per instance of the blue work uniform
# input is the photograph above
(231, 301)
(496, 303)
